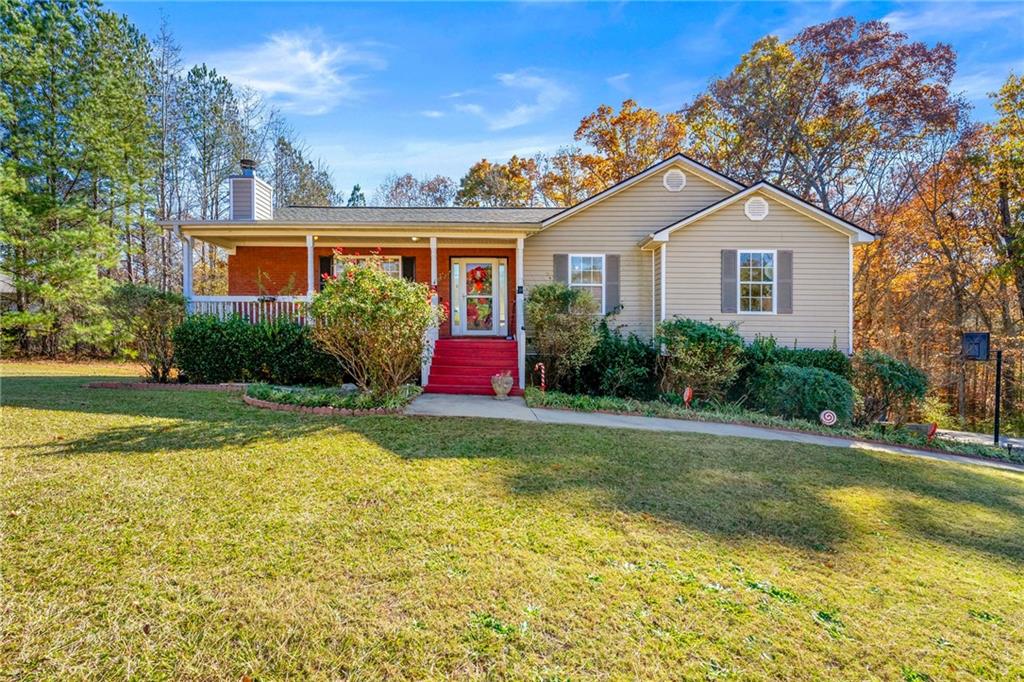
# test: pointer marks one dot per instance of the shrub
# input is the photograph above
(622, 367)
(564, 334)
(284, 352)
(147, 318)
(211, 350)
(794, 392)
(704, 356)
(374, 325)
(765, 350)
(888, 387)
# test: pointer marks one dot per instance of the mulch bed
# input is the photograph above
(323, 411)
(153, 386)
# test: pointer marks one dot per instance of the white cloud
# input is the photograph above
(301, 72)
(618, 81)
(432, 113)
(547, 95)
(943, 18)
(977, 85)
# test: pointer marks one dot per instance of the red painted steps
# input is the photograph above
(465, 366)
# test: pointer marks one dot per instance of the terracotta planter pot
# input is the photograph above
(502, 384)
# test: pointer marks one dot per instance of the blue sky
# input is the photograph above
(431, 88)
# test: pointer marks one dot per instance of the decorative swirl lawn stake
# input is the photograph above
(539, 367)
(828, 417)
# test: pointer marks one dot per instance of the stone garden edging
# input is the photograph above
(325, 411)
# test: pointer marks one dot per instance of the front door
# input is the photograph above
(479, 297)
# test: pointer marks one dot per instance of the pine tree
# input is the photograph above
(73, 155)
(356, 198)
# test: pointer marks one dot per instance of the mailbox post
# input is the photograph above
(999, 392)
(975, 346)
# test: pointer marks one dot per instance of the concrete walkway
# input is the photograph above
(441, 405)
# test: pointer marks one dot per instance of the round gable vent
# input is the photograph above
(756, 208)
(674, 180)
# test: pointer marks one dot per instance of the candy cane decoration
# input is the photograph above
(539, 367)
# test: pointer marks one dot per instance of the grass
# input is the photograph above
(735, 414)
(185, 535)
(332, 397)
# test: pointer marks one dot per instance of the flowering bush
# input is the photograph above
(374, 325)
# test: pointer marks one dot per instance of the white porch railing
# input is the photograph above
(429, 340)
(252, 308)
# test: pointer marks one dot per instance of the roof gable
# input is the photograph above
(680, 160)
(858, 234)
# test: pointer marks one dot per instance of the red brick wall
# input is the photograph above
(277, 265)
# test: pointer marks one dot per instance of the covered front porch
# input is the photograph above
(274, 271)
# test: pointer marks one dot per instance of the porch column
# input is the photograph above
(433, 268)
(186, 269)
(432, 334)
(664, 310)
(310, 277)
(520, 316)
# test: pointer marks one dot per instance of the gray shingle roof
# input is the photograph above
(445, 214)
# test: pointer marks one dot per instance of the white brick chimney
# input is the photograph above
(251, 198)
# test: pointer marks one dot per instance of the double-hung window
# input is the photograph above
(756, 289)
(392, 265)
(586, 271)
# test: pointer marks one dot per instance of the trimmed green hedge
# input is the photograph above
(766, 350)
(795, 392)
(705, 356)
(210, 351)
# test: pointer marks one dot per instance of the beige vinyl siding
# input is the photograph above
(821, 271)
(241, 198)
(615, 226)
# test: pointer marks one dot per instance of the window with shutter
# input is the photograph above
(587, 272)
(757, 284)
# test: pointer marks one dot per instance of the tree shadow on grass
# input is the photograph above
(727, 487)
(735, 487)
(192, 420)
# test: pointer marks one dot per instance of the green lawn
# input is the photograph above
(185, 535)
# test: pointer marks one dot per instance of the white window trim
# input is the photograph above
(774, 282)
(604, 276)
(353, 257)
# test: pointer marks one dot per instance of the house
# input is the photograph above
(678, 239)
